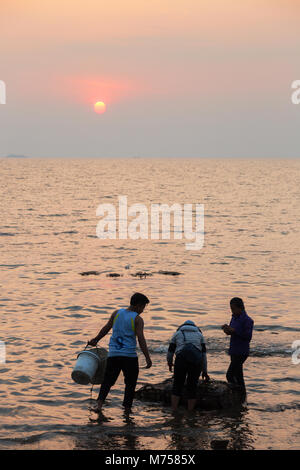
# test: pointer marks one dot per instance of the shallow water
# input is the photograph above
(48, 311)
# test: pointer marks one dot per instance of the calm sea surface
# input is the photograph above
(49, 311)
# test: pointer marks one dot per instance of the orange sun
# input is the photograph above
(100, 107)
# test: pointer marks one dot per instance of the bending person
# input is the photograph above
(189, 347)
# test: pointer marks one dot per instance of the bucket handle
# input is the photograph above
(87, 344)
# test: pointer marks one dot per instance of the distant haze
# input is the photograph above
(209, 78)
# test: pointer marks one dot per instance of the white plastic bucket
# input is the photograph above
(85, 367)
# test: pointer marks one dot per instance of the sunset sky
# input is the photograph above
(207, 78)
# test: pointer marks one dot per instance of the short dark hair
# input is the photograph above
(139, 299)
(238, 303)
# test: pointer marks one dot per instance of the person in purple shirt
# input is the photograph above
(240, 331)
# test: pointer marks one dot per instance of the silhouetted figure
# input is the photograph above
(126, 324)
(240, 331)
(189, 346)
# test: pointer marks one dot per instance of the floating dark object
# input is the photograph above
(169, 273)
(213, 395)
(87, 273)
(141, 274)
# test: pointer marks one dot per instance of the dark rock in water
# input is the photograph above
(212, 395)
(169, 273)
(87, 273)
(219, 445)
(141, 274)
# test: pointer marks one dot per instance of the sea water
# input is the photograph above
(49, 311)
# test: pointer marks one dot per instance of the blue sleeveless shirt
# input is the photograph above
(123, 340)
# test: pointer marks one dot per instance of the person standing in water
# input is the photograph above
(189, 347)
(126, 324)
(240, 332)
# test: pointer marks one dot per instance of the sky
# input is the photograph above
(190, 78)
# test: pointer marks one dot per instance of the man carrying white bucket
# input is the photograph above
(126, 324)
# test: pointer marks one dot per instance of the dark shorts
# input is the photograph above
(184, 371)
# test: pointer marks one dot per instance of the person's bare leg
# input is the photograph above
(191, 404)
(174, 402)
(98, 407)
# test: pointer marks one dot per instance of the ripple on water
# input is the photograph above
(23, 379)
(71, 307)
(12, 266)
(78, 343)
(77, 315)
(70, 332)
(280, 407)
(11, 411)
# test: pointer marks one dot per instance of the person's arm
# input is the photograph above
(170, 354)
(171, 351)
(139, 329)
(204, 363)
(103, 331)
(243, 330)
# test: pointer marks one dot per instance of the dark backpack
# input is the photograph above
(190, 353)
